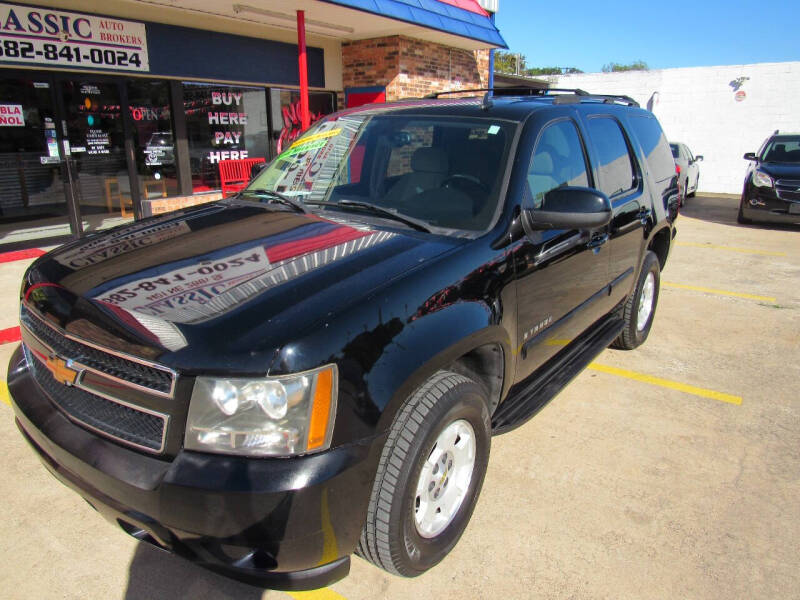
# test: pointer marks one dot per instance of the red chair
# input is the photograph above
(235, 174)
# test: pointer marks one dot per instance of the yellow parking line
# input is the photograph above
(321, 594)
(673, 385)
(4, 397)
(731, 249)
(706, 290)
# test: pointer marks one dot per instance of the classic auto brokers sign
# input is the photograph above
(66, 39)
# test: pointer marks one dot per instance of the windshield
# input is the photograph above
(443, 171)
(675, 150)
(783, 150)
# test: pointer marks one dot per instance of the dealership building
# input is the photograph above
(121, 112)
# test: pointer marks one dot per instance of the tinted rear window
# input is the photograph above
(655, 146)
(616, 168)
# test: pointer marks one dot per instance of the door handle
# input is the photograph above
(597, 240)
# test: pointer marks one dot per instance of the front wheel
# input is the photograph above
(429, 477)
(640, 308)
(696, 185)
(740, 217)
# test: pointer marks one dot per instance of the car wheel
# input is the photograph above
(740, 217)
(640, 308)
(430, 474)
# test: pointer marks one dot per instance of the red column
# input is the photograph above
(305, 118)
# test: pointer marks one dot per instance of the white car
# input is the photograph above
(688, 169)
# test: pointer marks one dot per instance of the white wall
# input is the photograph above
(697, 106)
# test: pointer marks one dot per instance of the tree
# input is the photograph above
(637, 65)
(551, 71)
(506, 62)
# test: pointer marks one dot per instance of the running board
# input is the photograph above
(530, 396)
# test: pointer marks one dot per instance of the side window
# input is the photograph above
(558, 161)
(616, 165)
(654, 145)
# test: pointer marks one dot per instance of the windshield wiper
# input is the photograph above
(288, 200)
(417, 224)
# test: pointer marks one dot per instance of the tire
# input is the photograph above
(393, 538)
(636, 332)
(696, 185)
(740, 217)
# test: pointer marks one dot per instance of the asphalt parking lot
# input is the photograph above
(672, 471)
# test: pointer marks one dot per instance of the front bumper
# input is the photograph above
(765, 205)
(281, 523)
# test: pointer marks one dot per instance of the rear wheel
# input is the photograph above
(639, 310)
(429, 477)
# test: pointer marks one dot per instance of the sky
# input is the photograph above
(587, 34)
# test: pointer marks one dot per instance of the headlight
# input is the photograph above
(269, 416)
(761, 179)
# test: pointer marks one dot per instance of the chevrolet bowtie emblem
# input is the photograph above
(61, 372)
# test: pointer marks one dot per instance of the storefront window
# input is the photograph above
(153, 138)
(222, 123)
(33, 203)
(286, 121)
(96, 140)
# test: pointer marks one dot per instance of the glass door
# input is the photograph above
(153, 139)
(95, 135)
(33, 192)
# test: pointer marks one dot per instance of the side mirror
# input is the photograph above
(698, 157)
(569, 208)
(750, 156)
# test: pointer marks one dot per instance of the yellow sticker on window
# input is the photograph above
(316, 136)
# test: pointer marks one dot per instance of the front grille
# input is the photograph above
(127, 370)
(110, 418)
(788, 189)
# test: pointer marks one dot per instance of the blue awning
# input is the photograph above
(433, 15)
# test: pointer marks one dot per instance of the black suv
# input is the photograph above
(771, 191)
(315, 367)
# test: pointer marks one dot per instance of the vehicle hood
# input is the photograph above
(781, 170)
(184, 289)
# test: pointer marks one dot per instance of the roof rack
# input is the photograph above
(542, 92)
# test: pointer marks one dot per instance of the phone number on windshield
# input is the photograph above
(72, 54)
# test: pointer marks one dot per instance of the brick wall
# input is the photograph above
(412, 68)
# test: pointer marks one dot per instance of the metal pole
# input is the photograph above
(491, 63)
(305, 118)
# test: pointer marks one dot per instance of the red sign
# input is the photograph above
(360, 98)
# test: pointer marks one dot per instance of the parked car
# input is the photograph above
(771, 191)
(316, 366)
(688, 169)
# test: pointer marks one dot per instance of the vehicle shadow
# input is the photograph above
(722, 210)
(155, 573)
